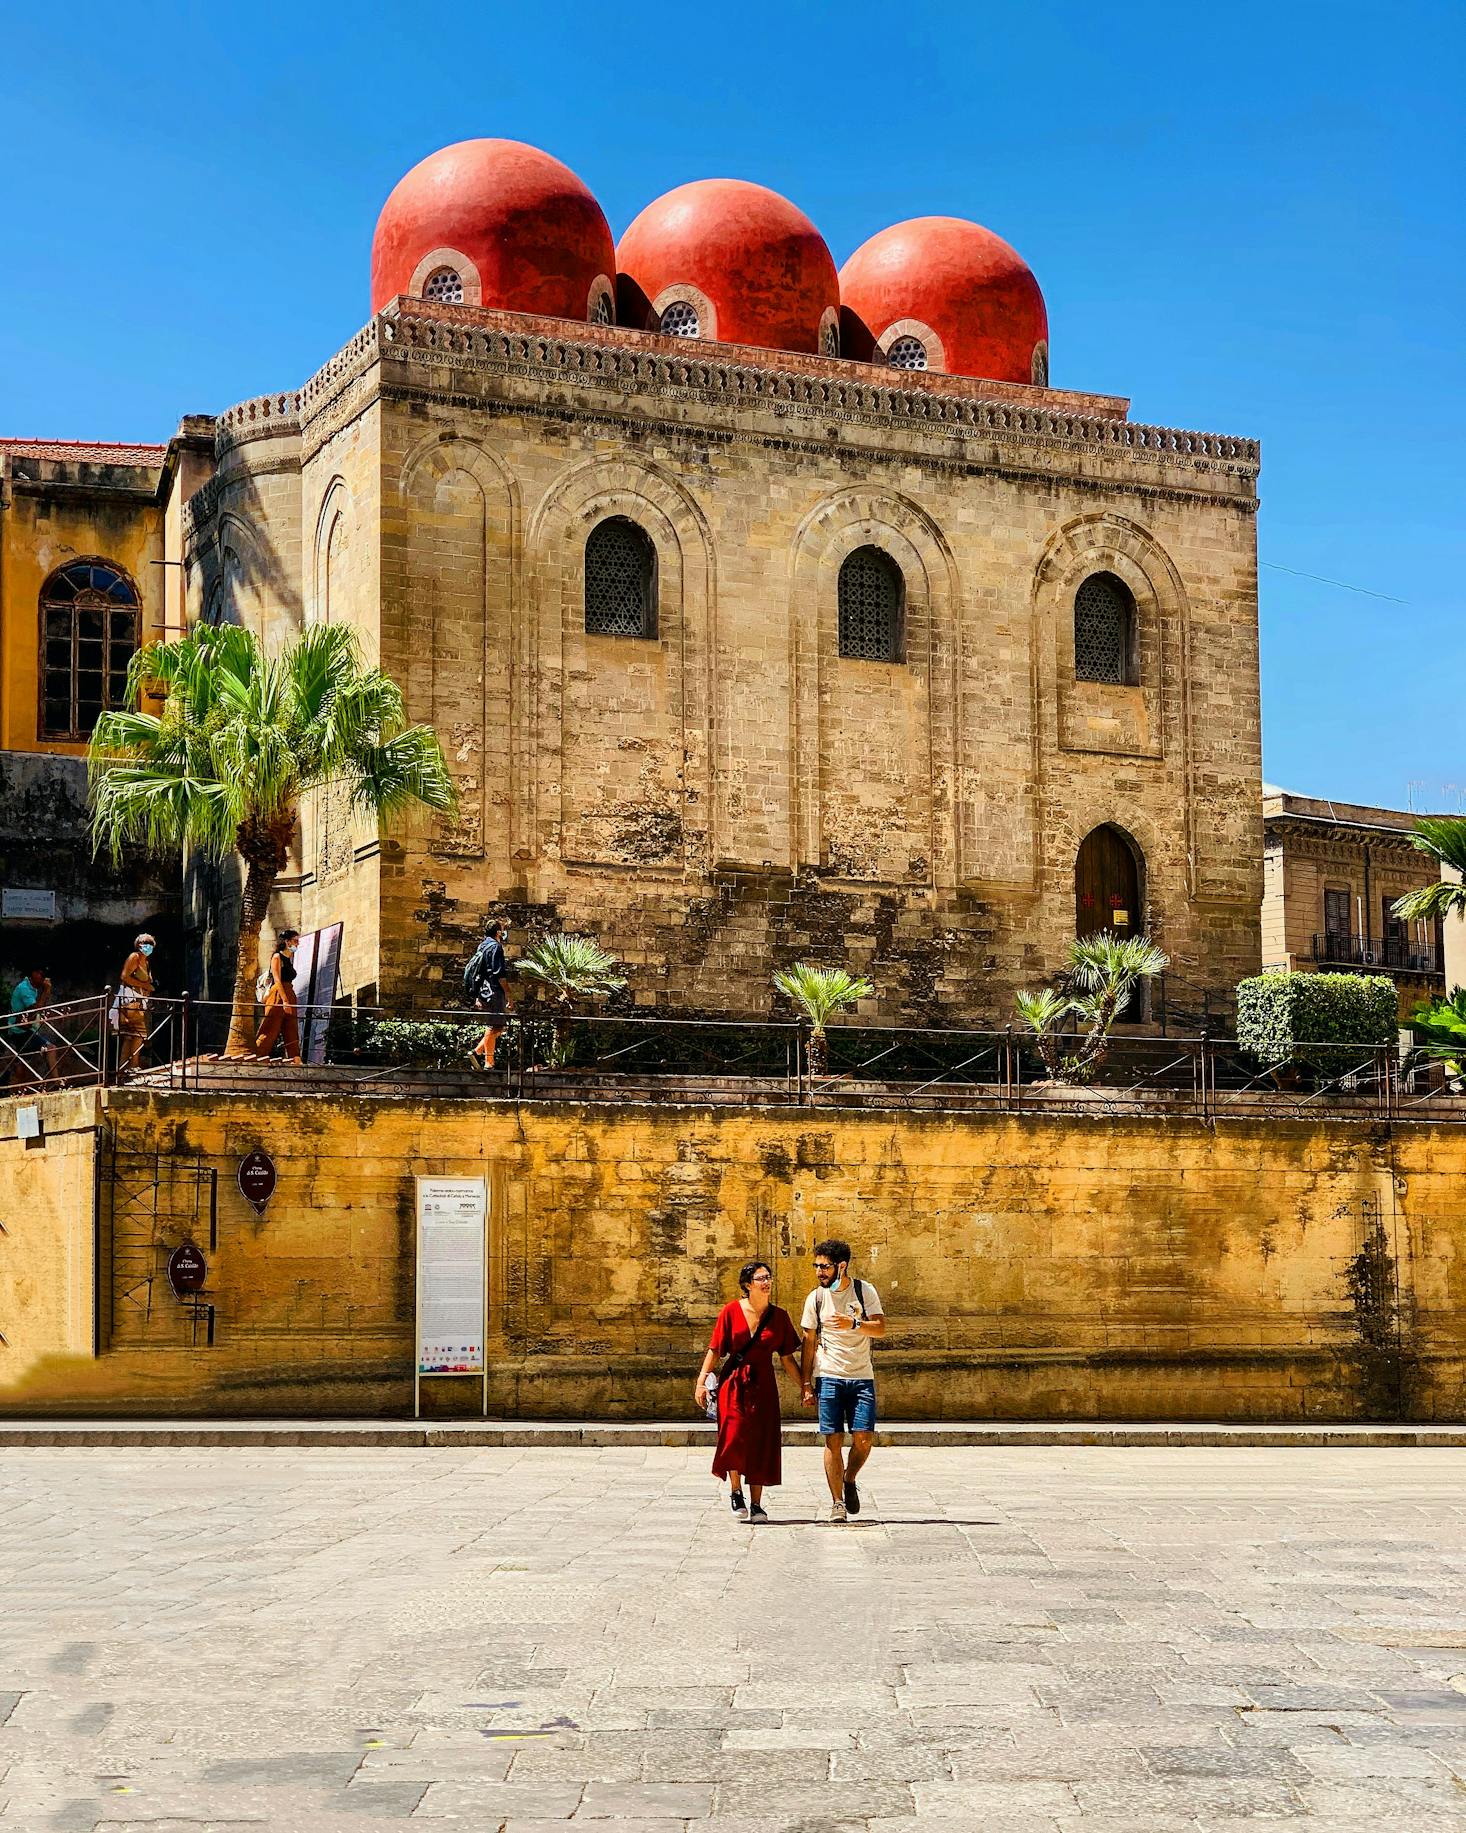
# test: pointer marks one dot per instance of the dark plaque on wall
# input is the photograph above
(187, 1270)
(257, 1179)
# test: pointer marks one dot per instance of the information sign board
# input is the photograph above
(317, 965)
(18, 905)
(187, 1269)
(257, 1179)
(452, 1269)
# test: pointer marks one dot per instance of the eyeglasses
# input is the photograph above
(823, 1266)
(761, 1279)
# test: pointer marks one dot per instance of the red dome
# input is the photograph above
(536, 236)
(958, 280)
(760, 263)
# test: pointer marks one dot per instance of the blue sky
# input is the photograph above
(1243, 217)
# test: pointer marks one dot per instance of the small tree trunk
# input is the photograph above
(819, 1053)
(259, 884)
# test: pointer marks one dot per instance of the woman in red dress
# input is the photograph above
(748, 1400)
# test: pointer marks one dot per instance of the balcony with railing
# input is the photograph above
(1388, 954)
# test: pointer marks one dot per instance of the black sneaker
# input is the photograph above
(740, 1507)
(758, 1512)
(852, 1499)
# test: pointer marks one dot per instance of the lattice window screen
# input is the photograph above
(1102, 630)
(679, 320)
(830, 341)
(907, 353)
(619, 574)
(870, 607)
(444, 285)
(601, 313)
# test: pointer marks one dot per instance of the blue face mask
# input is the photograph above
(145, 948)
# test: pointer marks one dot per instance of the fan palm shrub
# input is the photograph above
(818, 993)
(1440, 1031)
(570, 968)
(241, 737)
(1443, 837)
(1100, 975)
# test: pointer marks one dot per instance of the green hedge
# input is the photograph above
(426, 1043)
(1306, 1019)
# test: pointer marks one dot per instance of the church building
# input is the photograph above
(766, 611)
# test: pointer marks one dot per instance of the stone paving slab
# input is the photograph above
(1052, 1639)
(615, 1434)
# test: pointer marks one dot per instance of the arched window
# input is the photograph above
(90, 630)
(620, 580)
(679, 320)
(602, 312)
(907, 353)
(1104, 630)
(1038, 369)
(444, 285)
(871, 592)
(830, 340)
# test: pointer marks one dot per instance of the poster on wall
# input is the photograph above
(317, 964)
(452, 1265)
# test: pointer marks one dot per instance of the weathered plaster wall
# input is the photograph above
(68, 511)
(47, 1257)
(1085, 1268)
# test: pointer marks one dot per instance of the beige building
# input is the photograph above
(1331, 874)
(746, 652)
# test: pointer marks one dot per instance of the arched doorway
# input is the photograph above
(1108, 894)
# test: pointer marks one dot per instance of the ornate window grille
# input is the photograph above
(444, 285)
(1103, 619)
(907, 353)
(679, 320)
(90, 630)
(600, 312)
(1038, 372)
(830, 341)
(620, 580)
(870, 594)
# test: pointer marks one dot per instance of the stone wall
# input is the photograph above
(1033, 1266)
(732, 794)
(45, 845)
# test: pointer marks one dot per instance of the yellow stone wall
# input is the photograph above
(43, 528)
(733, 794)
(1034, 1266)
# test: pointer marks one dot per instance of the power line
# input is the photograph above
(1343, 585)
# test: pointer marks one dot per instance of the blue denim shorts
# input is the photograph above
(846, 1405)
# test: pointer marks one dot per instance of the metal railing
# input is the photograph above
(578, 1057)
(1399, 953)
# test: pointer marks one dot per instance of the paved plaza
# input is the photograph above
(1013, 1639)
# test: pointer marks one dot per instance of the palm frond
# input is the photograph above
(1043, 1011)
(820, 992)
(408, 768)
(572, 967)
(1442, 899)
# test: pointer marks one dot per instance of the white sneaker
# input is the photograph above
(837, 1511)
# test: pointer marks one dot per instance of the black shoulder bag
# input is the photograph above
(734, 1357)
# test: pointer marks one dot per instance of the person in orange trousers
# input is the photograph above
(280, 1004)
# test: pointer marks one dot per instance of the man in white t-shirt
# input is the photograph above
(840, 1317)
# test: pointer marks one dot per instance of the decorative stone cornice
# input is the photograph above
(626, 362)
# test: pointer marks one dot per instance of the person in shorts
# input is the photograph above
(841, 1317)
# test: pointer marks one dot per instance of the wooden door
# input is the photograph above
(1107, 886)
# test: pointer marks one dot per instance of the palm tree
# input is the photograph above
(820, 992)
(241, 737)
(571, 968)
(1101, 973)
(1443, 837)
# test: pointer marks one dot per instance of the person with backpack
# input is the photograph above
(484, 989)
(841, 1316)
(749, 1333)
(281, 1009)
